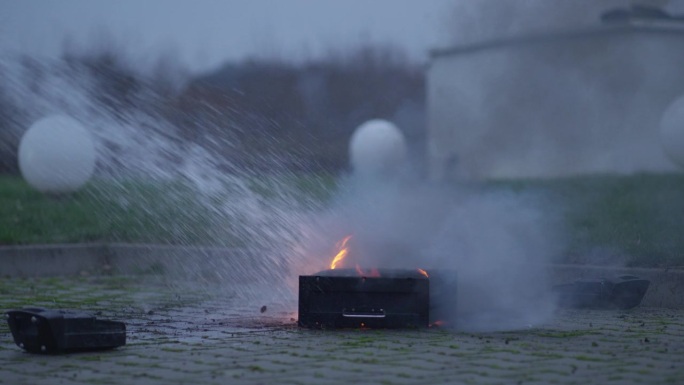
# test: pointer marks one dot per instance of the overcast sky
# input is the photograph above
(205, 33)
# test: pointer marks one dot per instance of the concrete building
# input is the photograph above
(571, 103)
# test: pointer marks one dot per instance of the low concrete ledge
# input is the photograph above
(666, 289)
(179, 263)
(68, 259)
(52, 260)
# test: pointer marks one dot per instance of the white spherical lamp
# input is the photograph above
(377, 147)
(57, 155)
(672, 131)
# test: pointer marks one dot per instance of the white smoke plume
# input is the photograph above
(497, 241)
(546, 89)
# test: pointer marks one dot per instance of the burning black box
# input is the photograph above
(345, 298)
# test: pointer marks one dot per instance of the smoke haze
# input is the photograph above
(472, 22)
(544, 89)
(498, 242)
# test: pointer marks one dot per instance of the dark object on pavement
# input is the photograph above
(377, 298)
(636, 12)
(38, 330)
(343, 298)
(624, 292)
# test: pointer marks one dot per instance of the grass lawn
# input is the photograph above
(99, 212)
(137, 212)
(640, 216)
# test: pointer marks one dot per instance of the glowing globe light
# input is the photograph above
(377, 147)
(56, 155)
(672, 131)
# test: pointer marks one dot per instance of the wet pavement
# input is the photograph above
(178, 336)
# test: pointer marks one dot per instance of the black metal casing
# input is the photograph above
(38, 330)
(624, 292)
(343, 299)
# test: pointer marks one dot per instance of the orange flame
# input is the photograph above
(438, 323)
(421, 271)
(344, 250)
(373, 273)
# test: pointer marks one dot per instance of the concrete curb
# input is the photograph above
(86, 259)
(666, 289)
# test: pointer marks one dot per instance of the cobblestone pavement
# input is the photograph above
(177, 338)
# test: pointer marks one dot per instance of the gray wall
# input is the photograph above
(577, 103)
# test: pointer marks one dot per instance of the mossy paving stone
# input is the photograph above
(181, 336)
